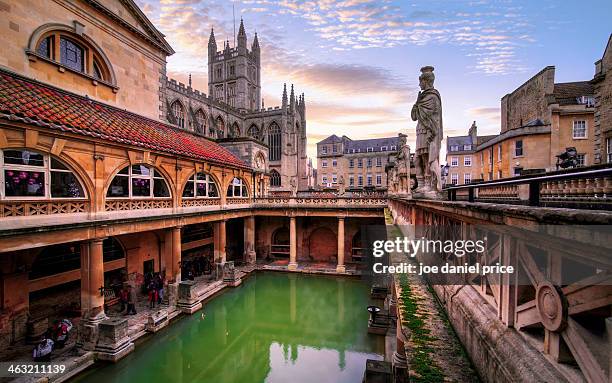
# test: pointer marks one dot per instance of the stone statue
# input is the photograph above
(341, 184)
(427, 110)
(293, 183)
(402, 165)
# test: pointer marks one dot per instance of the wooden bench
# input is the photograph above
(110, 298)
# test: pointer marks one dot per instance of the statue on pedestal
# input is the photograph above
(341, 188)
(427, 110)
(402, 173)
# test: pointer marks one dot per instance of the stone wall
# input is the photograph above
(528, 102)
(603, 104)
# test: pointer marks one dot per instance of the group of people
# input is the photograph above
(194, 267)
(127, 297)
(154, 284)
(55, 337)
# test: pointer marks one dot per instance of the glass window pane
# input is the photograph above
(244, 191)
(201, 189)
(23, 157)
(212, 190)
(188, 191)
(24, 183)
(142, 170)
(201, 176)
(71, 55)
(65, 185)
(55, 164)
(160, 189)
(119, 187)
(124, 171)
(141, 187)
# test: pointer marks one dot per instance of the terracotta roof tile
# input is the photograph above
(43, 105)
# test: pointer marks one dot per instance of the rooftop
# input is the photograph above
(46, 106)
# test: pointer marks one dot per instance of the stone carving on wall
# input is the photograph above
(427, 111)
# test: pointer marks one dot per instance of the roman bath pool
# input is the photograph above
(275, 327)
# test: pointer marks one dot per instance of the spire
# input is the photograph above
(190, 80)
(292, 98)
(242, 37)
(284, 96)
(211, 39)
(255, 46)
(212, 46)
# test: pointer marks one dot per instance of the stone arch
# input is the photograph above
(275, 178)
(199, 121)
(323, 244)
(179, 113)
(172, 186)
(213, 176)
(254, 132)
(74, 166)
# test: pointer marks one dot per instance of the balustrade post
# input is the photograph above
(340, 268)
(292, 244)
(534, 193)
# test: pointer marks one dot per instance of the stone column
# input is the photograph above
(92, 280)
(293, 244)
(249, 240)
(340, 268)
(222, 242)
(176, 254)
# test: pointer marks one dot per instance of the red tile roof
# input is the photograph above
(43, 105)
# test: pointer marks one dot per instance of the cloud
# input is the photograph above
(490, 114)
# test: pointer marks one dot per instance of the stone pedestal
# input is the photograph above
(157, 320)
(113, 340)
(229, 275)
(88, 330)
(377, 371)
(251, 257)
(188, 301)
(35, 329)
(172, 295)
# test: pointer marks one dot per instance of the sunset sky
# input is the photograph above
(357, 61)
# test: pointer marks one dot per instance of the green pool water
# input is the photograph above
(275, 327)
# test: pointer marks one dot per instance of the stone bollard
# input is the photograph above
(157, 320)
(188, 301)
(113, 340)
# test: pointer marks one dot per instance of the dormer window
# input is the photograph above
(454, 148)
(588, 101)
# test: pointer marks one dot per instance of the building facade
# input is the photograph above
(602, 84)
(232, 113)
(354, 164)
(539, 120)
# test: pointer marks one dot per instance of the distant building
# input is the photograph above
(539, 120)
(602, 126)
(356, 163)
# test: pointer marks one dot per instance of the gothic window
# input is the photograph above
(179, 113)
(28, 174)
(220, 125)
(253, 131)
(200, 119)
(275, 178)
(237, 189)
(75, 53)
(235, 130)
(274, 142)
(231, 94)
(200, 185)
(138, 181)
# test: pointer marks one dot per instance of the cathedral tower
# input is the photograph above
(234, 74)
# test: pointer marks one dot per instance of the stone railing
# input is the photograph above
(189, 202)
(30, 208)
(559, 291)
(322, 202)
(588, 188)
(137, 204)
(237, 201)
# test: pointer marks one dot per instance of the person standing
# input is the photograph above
(131, 307)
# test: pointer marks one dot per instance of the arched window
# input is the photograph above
(138, 181)
(76, 53)
(274, 142)
(237, 189)
(28, 174)
(220, 126)
(200, 185)
(179, 113)
(275, 178)
(200, 120)
(67, 256)
(235, 130)
(253, 132)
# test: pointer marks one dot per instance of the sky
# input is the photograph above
(358, 61)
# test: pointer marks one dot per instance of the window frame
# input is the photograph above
(467, 178)
(47, 169)
(130, 176)
(454, 178)
(516, 148)
(585, 127)
(467, 161)
(209, 179)
(242, 187)
(454, 162)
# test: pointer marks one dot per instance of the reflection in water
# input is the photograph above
(275, 327)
